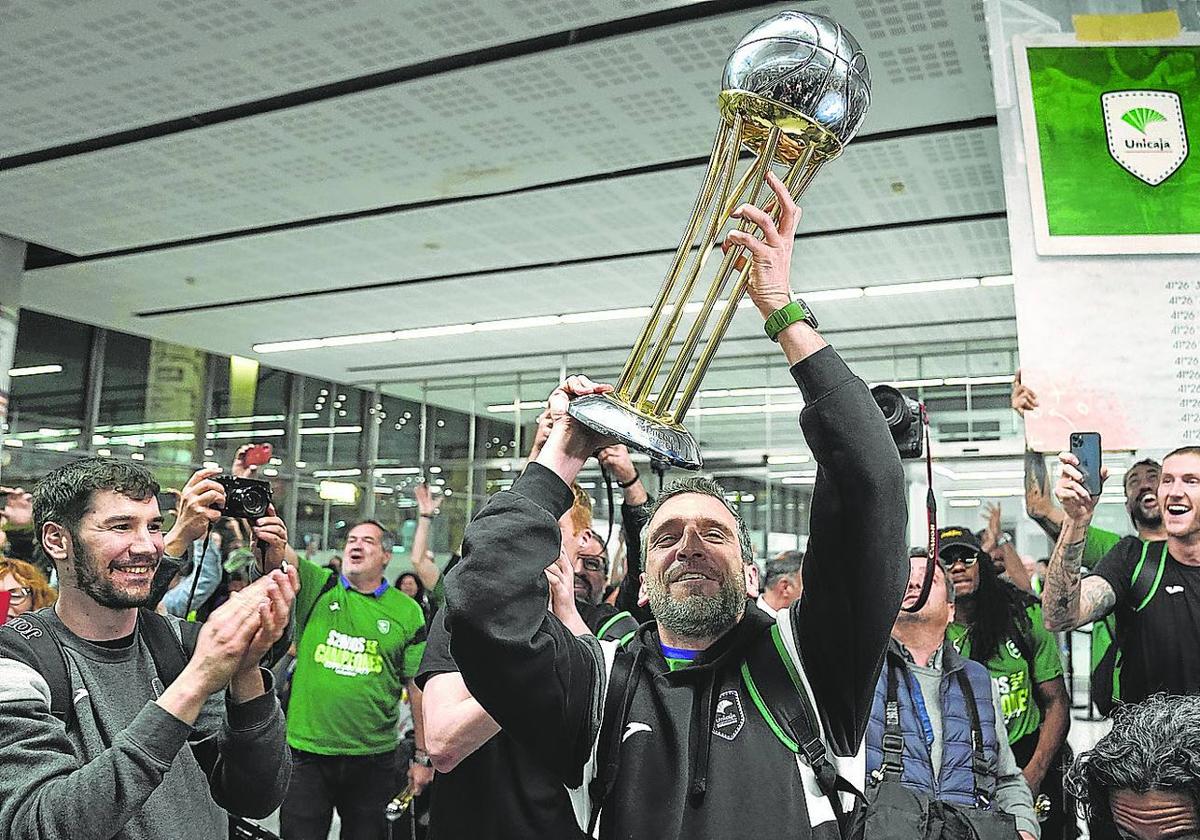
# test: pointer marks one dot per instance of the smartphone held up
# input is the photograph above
(1085, 446)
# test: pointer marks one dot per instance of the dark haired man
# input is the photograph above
(359, 643)
(1142, 780)
(113, 766)
(782, 583)
(1153, 587)
(682, 740)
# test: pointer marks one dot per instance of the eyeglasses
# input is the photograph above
(968, 560)
(18, 596)
(593, 562)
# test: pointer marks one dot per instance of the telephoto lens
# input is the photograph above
(903, 417)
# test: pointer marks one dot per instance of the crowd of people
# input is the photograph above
(186, 681)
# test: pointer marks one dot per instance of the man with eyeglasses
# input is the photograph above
(591, 570)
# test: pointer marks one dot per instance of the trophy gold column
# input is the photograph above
(795, 90)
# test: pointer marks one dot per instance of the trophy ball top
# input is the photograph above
(807, 62)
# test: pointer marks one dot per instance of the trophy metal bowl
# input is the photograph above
(795, 90)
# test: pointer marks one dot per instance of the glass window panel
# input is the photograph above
(45, 409)
(249, 405)
(151, 396)
(331, 430)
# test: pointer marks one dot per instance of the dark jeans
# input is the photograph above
(359, 786)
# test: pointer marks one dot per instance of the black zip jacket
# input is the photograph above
(697, 760)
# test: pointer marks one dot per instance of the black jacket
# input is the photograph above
(702, 762)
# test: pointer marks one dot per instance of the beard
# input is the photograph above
(1141, 519)
(697, 616)
(99, 588)
(584, 591)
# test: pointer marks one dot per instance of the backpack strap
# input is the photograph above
(166, 648)
(329, 583)
(622, 680)
(1146, 577)
(618, 628)
(979, 765)
(27, 638)
(782, 700)
(891, 769)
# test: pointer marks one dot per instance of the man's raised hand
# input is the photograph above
(769, 284)
(1077, 503)
(200, 505)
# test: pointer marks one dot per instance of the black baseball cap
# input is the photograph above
(957, 542)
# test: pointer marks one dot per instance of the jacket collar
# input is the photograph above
(946, 658)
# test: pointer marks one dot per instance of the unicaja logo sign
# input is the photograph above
(1146, 133)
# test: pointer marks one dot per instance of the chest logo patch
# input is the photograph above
(384, 625)
(730, 716)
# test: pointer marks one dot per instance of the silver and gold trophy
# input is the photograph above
(794, 92)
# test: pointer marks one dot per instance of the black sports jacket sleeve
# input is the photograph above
(856, 564)
(539, 682)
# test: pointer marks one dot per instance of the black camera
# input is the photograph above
(245, 498)
(903, 417)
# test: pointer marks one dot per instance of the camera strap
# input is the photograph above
(197, 564)
(930, 519)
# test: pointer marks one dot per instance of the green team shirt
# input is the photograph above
(1012, 675)
(1099, 543)
(354, 654)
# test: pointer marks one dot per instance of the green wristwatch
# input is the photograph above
(785, 316)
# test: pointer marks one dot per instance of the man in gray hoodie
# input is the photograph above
(114, 765)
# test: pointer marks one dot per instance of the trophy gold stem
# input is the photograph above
(724, 136)
(756, 176)
(798, 178)
(645, 383)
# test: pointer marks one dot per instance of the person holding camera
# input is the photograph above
(1153, 586)
(681, 740)
(937, 733)
(359, 643)
(99, 696)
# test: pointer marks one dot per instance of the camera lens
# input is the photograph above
(254, 501)
(891, 402)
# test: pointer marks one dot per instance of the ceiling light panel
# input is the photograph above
(70, 78)
(822, 261)
(599, 106)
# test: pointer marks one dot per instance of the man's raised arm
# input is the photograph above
(527, 670)
(1067, 601)
(856, 565)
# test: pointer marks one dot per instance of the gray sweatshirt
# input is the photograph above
(1012, 793)
(121, 769)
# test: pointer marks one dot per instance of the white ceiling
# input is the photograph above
(308, 168)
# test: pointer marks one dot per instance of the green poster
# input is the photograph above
(1117, 128)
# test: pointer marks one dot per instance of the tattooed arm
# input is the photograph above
(1068, 602)
(1039, 505)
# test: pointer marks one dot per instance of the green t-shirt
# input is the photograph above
(1099, 543)
(353, 656)
(1011, 673)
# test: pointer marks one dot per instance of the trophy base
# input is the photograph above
(673, 445)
